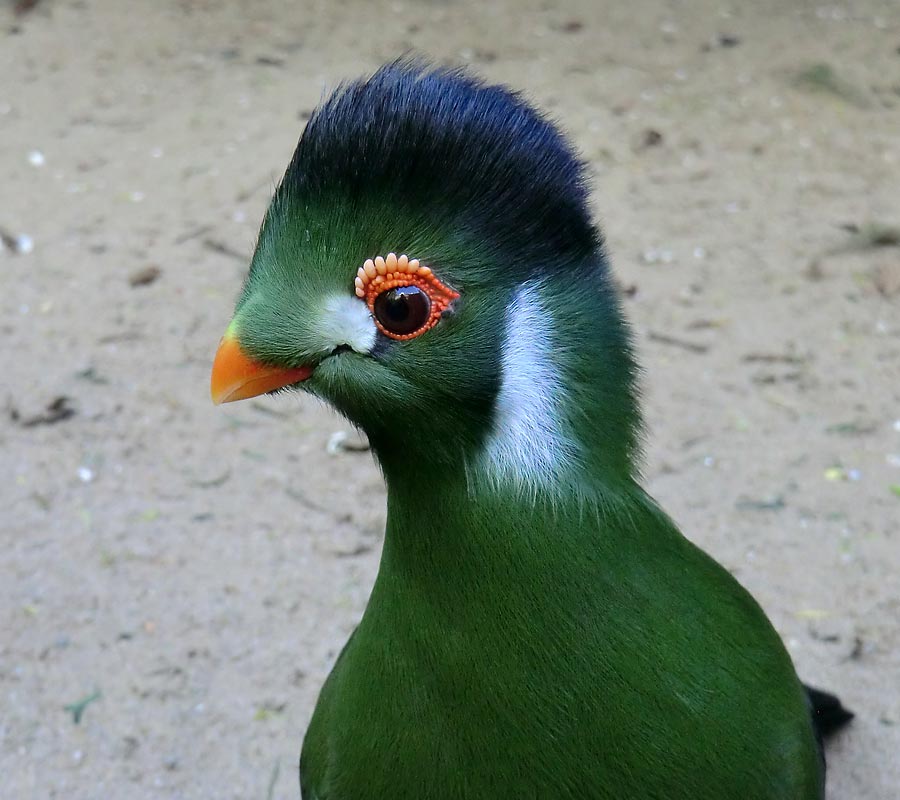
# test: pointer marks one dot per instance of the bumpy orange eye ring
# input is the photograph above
(382, 274)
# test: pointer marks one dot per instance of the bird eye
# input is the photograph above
(403, 310)
(405, 298)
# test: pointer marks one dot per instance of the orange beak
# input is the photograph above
(235, 376)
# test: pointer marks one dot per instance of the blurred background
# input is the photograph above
(176, 579)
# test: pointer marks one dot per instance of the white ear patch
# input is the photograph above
(528, 444)
(345, 320)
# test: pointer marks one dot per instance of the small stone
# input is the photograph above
(144, 276)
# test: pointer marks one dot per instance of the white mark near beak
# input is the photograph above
(347, 321)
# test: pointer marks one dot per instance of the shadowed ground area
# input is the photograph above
(177, 579)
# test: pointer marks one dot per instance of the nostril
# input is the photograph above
(342, 348)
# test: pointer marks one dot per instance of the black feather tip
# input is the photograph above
(828, 714)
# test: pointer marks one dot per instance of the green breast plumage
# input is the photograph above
(560, 653)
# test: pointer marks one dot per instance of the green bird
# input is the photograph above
(539, 628)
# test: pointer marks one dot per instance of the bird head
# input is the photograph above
(428, 266)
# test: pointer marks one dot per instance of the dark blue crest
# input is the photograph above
(476, 156)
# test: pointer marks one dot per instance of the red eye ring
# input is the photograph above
(380, 275)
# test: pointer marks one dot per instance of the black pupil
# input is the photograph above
(402, 310)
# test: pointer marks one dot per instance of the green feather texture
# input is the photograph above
(538, 627)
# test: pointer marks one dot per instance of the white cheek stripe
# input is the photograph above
(346, 320)
(527, 444)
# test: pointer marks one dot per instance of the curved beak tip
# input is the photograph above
(236, 376)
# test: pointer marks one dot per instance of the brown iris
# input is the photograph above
(403, 310)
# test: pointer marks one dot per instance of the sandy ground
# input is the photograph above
(193, 571)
